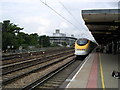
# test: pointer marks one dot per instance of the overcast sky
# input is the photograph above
(35, 17)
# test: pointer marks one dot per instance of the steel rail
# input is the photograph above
(35, 60)
(34, 70)
(46, 77)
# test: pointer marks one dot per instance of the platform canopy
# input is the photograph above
(104, 24)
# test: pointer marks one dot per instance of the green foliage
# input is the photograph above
(7, 39)
(33, 39)
(11, 36)
(55, 45)
(10, 27)
(64, 44)
(8, 35)
(44, 41)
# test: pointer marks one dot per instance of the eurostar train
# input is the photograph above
(84, 46)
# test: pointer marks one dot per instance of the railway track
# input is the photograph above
(8, 59)
(6, 69)
(24, 54)
(54, 79)
(20, 73)
(11, 79)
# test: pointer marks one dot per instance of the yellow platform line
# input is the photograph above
(101, 72)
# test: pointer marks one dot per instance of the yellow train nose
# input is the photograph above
(84, 47)
(81, 49)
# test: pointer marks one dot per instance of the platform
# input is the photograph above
(94, 72)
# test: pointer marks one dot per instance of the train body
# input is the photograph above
(84, 46)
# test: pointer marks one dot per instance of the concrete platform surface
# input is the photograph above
(95, 72)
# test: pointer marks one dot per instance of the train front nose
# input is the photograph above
(82, 52)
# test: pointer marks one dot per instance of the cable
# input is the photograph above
(59, 14)
(68, 11)
(63, 16)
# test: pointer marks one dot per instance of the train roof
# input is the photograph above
(92, 40)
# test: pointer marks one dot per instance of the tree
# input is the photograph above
(9, 37)
(64, 44)
(7, 40)
(44, 41)
(34, 39)
(27, 40)
(10, 27)
(12, 37)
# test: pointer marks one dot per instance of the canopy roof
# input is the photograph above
(104, 24)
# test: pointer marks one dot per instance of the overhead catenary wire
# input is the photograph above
(73, 17)
(59, 14)
(69, 12)
(45, 1)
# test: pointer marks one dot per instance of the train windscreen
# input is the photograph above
(82, 42)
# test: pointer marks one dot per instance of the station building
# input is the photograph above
(61, 39)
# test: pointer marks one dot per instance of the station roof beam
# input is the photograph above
(103, 23)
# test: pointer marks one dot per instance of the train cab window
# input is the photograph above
(82, 42)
